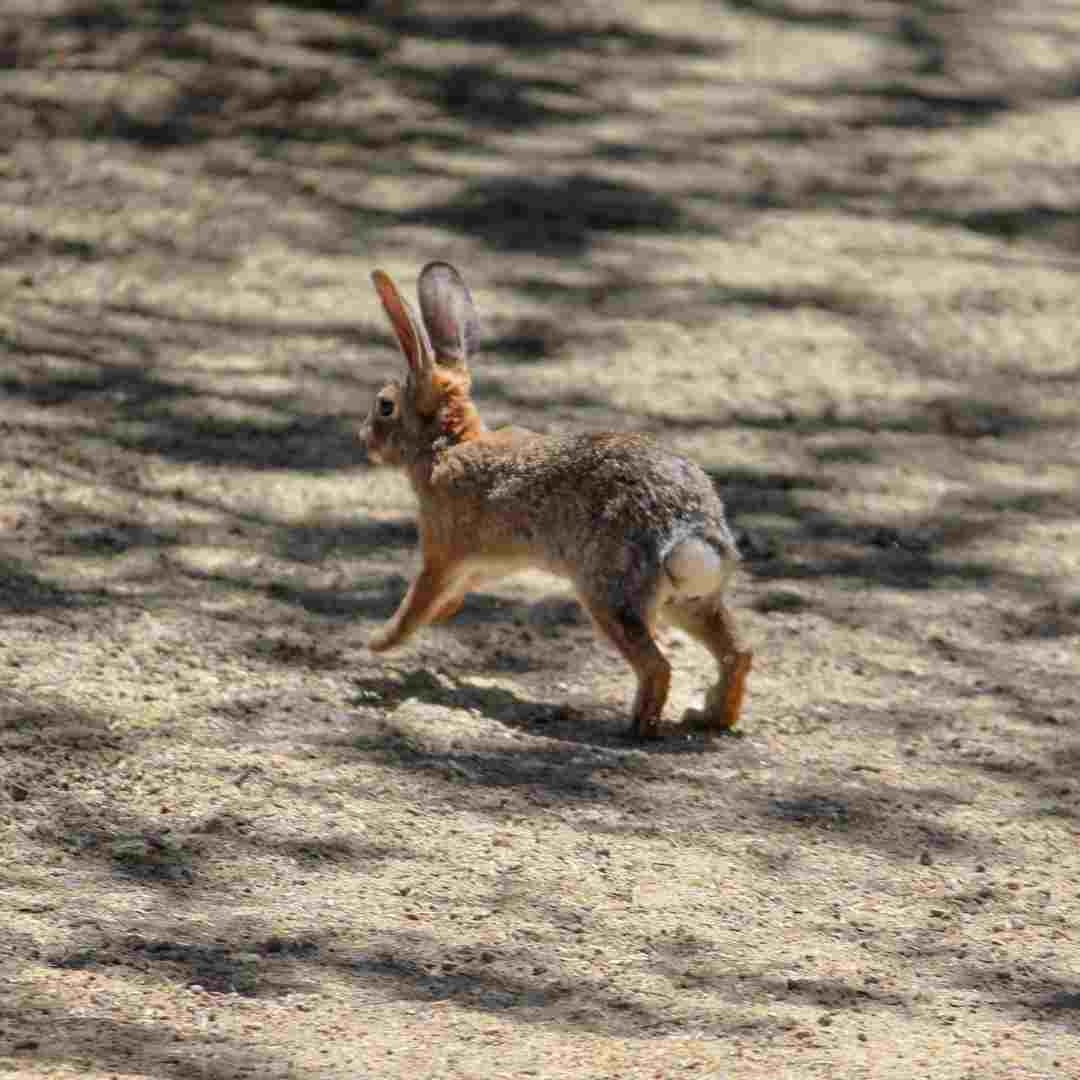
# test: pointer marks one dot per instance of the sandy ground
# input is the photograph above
(829, 250)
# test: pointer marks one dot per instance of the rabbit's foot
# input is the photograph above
(723, 702)
(696, 723)
(651, 697)
(384, 640)
(649, 732)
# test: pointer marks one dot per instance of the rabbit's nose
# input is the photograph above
(372, 444)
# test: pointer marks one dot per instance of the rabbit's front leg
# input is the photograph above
(431, 593)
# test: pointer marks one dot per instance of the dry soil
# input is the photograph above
(829, 250)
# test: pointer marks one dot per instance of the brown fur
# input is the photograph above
(628, 524)
(458, 418)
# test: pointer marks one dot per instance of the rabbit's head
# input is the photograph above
(431, 405)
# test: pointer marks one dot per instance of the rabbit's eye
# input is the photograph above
(386, 406)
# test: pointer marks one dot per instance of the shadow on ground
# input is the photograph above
(158, 142)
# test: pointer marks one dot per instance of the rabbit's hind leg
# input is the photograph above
(706, 619)
(630, 633)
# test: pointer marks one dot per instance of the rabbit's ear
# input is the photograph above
(449, 314)
(411, 336)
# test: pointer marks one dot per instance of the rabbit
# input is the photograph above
(638, 531)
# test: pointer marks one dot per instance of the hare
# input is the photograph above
(639, 532)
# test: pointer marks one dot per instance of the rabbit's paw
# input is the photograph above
(384, 640)
(723, 702)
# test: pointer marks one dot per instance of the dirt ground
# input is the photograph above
(827, 248)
